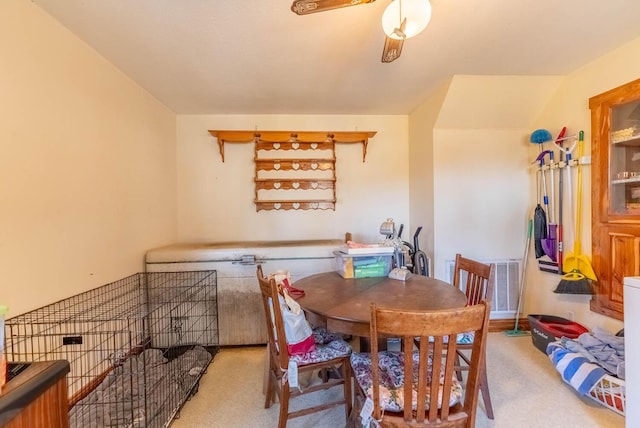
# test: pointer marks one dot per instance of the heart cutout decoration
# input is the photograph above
(314, 165)
(314, 146)
(295, 146)
(314, 185)
(295, 165)
(295, 184)
(276, 146)
(276, 185)
(296, 205)
(276, 166)
(277, 205)
(314, 205)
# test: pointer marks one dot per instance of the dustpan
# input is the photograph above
(576, 263)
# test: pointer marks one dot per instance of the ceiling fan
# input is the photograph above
(401, 20)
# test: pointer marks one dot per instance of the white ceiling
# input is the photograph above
(258, 57)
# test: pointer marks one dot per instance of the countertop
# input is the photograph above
(28, 385)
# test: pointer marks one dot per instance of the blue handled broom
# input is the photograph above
(540, 136)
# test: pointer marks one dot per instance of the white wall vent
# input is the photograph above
(505, 296)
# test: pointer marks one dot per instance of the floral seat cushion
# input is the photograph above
(392, 380)
(329, 345)
(462, 339)
(322, 336)
(465, 338)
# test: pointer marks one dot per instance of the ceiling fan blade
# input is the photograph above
(392, 49)
(304, 7)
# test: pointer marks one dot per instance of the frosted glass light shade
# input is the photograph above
(417, 12)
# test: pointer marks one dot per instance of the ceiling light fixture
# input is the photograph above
(404, 19)
(401, 20)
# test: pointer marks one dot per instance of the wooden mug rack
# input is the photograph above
(273, 174)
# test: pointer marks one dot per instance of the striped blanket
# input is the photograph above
(575, 369)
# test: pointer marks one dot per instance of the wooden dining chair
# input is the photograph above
(419, 388)
(331, 355)
(477, 281)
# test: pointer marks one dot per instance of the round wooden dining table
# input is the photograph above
(345, 303)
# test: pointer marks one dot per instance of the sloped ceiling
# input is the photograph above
(258, 57)
(490, 102)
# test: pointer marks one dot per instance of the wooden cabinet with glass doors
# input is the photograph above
(615, 233)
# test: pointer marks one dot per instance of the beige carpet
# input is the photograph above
(525, 389)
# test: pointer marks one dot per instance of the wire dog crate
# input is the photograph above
(137, 347)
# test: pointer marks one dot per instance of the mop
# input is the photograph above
(515, 331)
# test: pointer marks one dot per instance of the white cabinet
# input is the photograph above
(632, 349)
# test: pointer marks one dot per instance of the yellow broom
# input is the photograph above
(580, 274)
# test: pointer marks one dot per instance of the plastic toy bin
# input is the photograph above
(362, 265)
(547, 328)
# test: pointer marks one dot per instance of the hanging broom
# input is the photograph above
(515, 331)
(580, 275)
(540, 136)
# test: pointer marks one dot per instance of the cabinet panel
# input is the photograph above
(624, 262)
(615, 179)
(618, 257)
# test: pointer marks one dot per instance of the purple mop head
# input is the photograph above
(540, 136)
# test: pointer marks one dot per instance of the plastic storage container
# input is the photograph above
(547, 328)
(362, 265)
(3, 361)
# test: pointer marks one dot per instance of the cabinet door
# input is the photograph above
(615, 187)
(624, 162)
(619, 256)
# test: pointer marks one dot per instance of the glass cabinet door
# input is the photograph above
(624, 159)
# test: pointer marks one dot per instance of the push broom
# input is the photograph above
(515, 331)
(580, 273)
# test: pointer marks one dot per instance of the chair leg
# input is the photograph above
(346, 373)
(270, 391)
(457, 364)
(284, 406)
(358, 402)
(324, 375)
(484, 388)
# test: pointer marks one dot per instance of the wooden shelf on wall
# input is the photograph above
(294, 183)
(293, 140)
(312, 165)
(295, 164)
(262, 205)
(294, 145)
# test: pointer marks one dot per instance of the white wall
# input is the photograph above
(87, 164)
(215, 198)
(421, 185)
(481, 195)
